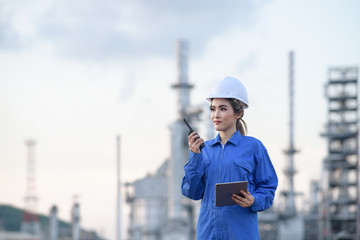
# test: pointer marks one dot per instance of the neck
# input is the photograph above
(226, 135)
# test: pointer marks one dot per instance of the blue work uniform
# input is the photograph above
(242, 158)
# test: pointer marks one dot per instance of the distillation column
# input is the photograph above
(75, 222)
(341, 208)
(53, 224)
(178, 154)
(179, 149)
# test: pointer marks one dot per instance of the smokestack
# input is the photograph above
(290, 152)
(179, 148)
(118, 202)
(182, 86)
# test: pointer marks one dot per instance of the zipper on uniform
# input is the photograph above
(220, 213)
(222, 151)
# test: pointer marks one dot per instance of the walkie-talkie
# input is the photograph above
(192, 130)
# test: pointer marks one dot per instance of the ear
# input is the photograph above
(239, 115)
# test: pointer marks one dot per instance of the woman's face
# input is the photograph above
(222, 115)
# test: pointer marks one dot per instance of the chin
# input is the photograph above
(218, 129)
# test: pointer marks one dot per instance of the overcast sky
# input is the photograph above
(74, 74)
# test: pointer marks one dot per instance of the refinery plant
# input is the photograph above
(159, 211)
(19, 224)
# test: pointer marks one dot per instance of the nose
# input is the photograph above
(216, 113)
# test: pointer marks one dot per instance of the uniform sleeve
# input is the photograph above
(192, 184)
(266, 182)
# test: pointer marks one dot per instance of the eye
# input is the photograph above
(212, 109)
(223, 109)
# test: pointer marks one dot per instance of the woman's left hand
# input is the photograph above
(245, 201)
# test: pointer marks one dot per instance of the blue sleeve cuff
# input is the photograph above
(195, 161)
(256, 205)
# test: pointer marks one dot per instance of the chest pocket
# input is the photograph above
(245, 169)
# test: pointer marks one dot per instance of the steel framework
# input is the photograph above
(30, 223)
(341, 183)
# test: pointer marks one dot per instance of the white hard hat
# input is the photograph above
(230, 87)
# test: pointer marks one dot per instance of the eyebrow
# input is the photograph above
(220, 106)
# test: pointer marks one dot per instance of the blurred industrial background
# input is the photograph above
(158, 211)
(92, 93)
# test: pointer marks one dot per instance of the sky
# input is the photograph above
(75, 74)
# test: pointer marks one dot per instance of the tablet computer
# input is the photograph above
(224, 192)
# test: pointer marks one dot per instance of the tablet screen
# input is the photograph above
(224, 192)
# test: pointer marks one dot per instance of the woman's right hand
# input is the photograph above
(194, 142)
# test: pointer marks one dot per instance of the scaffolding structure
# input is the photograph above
(341, 180)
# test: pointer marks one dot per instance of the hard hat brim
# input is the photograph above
(246, 105)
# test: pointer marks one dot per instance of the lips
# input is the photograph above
(217, 122)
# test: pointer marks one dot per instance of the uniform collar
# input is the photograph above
(235, 139)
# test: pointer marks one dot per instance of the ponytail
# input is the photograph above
(241, 126)
(238, 107)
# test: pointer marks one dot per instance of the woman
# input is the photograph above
(230, 157)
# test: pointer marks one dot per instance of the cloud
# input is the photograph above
(128, 29)
(19, 23)
(8, 38)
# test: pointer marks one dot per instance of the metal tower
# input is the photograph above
(289, 194)
(118, 188)
(290, 152)
(340, 203)
(30, 223)
(292, 224)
